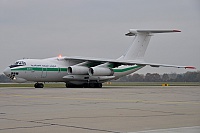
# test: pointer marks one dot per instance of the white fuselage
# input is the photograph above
(55, 70)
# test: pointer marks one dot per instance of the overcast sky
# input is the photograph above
(96, 28)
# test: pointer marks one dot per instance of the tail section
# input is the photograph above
(138, 48)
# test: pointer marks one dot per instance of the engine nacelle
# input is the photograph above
(77, 70)
(100, 71)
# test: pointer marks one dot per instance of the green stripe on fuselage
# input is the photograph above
(39, 69)
(65, 69)
(126, 69)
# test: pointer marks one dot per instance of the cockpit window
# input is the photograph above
(21, 63)
(18, 63)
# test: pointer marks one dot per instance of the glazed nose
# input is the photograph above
(7, 71)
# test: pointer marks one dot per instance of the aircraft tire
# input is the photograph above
(95, 85)
(99, 85)
(86, 85)
(92, 85)
(70, 85)
(39, 85)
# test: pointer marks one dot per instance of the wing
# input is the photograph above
(115, 63)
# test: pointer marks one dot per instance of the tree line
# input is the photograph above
(155, 77)
(149, 77)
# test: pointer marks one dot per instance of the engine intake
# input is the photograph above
(77, 70)
(100, 71)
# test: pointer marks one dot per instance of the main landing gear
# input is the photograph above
(86, 85)
(39, 85)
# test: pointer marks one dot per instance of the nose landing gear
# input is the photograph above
(39, 85)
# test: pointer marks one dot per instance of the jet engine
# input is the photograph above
(100, 71)
(77, 70)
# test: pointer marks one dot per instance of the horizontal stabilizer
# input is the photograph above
(133, 32)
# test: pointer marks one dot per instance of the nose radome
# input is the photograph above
(7, 71)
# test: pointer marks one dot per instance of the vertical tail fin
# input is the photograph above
(140, 43)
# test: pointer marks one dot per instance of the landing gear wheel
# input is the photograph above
(92, 85)
(39, 85)
(85, 85)
(99, 85)
(70, 85)
(95, 85)
(67, 85)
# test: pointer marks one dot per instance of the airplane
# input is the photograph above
(87, 72)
